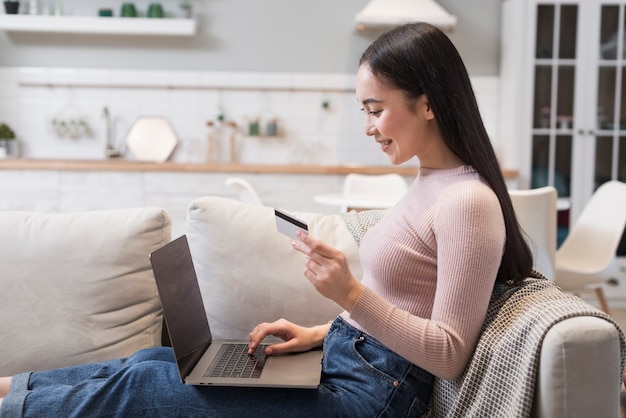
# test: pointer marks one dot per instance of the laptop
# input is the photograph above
(204, 361)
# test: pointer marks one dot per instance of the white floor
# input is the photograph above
(615, 293)
(616, 297)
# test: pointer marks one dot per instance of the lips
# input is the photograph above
(385, 144)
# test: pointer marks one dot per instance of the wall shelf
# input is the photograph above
(98, 25)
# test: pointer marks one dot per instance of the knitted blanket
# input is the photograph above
(501, 375)
(359, 222)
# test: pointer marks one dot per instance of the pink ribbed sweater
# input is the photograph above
(429, 267)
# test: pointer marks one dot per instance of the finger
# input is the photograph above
(257, 335)
(311, 253)
(301, 246)
(279, 328)
(284, 347)
(316, 246)
(307, 239)
(313, 267)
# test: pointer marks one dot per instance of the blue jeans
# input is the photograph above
(361, 378)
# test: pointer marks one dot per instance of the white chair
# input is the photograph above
(586, 259)
(536, 212)
(391, 186)
(245, 191)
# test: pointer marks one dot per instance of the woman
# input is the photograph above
(429, 269)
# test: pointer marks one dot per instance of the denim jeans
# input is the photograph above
(361, 378)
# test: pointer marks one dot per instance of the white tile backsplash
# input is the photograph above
(96, 190)
(70, 191)
(31, 97)
(29, 190)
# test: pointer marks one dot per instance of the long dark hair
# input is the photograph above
(420, 59)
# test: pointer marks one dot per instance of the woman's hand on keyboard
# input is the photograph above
(296, 338)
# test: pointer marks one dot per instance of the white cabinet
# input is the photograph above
(563, 77)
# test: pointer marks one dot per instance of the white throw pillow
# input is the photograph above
(78, 287)
(248, 271)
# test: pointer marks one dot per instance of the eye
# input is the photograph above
(371, 112)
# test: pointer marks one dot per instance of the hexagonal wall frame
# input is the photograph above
(151, 139)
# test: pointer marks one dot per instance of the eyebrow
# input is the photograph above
(368, 101)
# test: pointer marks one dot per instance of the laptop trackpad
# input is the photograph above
(302, 370)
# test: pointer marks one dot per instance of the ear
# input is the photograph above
(424, 108)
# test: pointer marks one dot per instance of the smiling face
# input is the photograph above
(403, 128)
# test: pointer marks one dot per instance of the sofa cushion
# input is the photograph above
(78, 287)
(240, 256)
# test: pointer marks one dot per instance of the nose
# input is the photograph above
(370, 130)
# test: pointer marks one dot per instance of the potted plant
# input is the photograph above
(8, 146)
(11, 7)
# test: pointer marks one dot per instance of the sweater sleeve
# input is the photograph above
(469, 230)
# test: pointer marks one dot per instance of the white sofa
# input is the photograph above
(77, 288)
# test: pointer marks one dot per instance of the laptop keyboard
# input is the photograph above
(233, 361)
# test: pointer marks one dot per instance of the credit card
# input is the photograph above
(289, 224)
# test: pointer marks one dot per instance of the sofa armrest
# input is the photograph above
(579, 370)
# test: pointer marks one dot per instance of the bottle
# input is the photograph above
(33, 7)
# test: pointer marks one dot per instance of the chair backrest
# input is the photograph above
(536, 213)
(391, 184)
(245, 191)
(591, 244)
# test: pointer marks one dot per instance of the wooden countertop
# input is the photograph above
(126, 165)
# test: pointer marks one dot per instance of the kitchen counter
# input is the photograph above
(45, 185)
(137, 166)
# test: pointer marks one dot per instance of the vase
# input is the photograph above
(155, 10)
(11, 7)
(8, 148)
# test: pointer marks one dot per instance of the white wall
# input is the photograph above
(251, 58)
(248, 40)
(247, 35)
(32, 98)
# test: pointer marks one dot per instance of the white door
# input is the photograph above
(578, 109)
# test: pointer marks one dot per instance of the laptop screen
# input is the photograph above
(183, 308)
